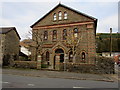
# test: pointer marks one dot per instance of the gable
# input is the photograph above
(5, 30)
(72, 16)
(12, 35)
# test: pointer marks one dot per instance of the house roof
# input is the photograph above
(69, 9)
(26, 43)
(5, 30)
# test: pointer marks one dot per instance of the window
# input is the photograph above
(83, 56)
(54, 34)
(65, 15)
(60, 15)
(47, 57)
(45, 35)
(54, 17)
(70, 56)
(75, 32)
(64, 34)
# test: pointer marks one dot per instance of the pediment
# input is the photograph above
(72, 16)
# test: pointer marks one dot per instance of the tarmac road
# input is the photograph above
(17, 81)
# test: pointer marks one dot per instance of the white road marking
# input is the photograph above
(78, 87)
(6, 82)
(31, 85)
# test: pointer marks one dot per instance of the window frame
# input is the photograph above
(64, 34)
(83, 56)
(70, 56)
(47, 57)
(75, 32)
(59, 15)
(46, 35)
(65, 16)
(54, 34)
(54, 17)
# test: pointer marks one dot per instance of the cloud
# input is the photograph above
(25, 14)
(109, 22)
(59, 0)
(6, 22)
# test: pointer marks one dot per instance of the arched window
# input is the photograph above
(75, 31)
(45, 35)
(65, 15)
(64, 34)
(54, 17)
(54, 34)
(60, 15)
(83, 56)
(47, 57)
(70, 56)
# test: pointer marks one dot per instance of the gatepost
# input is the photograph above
(39, 62)
(65, 62)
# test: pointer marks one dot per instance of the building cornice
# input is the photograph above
(62, 25)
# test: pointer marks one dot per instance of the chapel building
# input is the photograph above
(63, 34)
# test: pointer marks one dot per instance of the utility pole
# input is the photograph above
(110, 41)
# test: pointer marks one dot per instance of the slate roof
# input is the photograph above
(5, 30)
(69, 9)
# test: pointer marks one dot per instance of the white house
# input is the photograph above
(25, 51)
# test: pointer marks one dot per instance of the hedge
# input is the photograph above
(103, 65)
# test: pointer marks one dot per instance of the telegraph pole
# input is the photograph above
(110, 41)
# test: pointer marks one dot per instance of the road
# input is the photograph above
(16, 81)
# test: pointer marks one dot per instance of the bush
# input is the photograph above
(105, 65)
(25, 64)
(44, 66)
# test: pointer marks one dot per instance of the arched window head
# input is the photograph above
(45, 35)
(54, 17)
(65, 15)
(60, 15)
(75, 31)
(54, 34)
(64, 34)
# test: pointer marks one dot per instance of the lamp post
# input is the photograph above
(110, 41)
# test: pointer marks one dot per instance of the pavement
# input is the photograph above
(61, 74)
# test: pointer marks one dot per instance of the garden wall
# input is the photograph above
(25, 64)
(103, 65)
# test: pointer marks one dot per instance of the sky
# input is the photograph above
(23, 13)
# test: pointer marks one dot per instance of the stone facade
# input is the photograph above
(54, 49)
(9, 45)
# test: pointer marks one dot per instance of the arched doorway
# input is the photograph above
(59, 52)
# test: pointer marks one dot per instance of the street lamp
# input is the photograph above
(110, 41)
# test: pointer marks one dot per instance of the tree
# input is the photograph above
(37, 41)
(73, 41)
